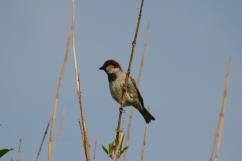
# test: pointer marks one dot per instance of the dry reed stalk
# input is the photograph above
(95, 148)
(86, 144)
(80, 124)
(218, 134)
(144, 142)
(55, 107)
(42, 141)
(19, 149)
(139, 78)
(126, 81)
(61, 127)
(144, 53)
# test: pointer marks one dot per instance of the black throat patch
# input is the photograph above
(112, 77)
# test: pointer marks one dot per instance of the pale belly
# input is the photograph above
(116, 92)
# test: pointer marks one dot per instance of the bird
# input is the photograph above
(132, 96)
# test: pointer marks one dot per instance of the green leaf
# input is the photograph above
(105, 149)
(111, 149)
(4, 151)
(123, 150)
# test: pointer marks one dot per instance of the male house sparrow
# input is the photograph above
(132, 96)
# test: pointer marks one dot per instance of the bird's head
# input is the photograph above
(111, 66)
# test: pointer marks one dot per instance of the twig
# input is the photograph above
(53, 115)
(126, 81)
(42, 141)
(218, 133)
(19, 149)
(79, 93)
(144, 53)
(95, 148)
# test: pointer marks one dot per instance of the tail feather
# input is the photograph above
(146, 114)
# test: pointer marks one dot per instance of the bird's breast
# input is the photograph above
(116, 89)
(116, 92)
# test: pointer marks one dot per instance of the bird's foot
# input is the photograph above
(121, 109)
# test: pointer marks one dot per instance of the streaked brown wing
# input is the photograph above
(134, 89)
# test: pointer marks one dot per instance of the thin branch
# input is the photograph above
(79, 93)
(218, 134)
(126, 81)
(42, 141)
(55, 108)
(19, 149)
(144, 53)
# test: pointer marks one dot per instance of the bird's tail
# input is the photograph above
(146, 114)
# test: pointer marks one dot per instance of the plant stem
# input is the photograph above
(95, 148)
(19, 149)
(218, 134)
(42, 141)
(55, 108)
(126, 81)
(144, 52)
(86, 144)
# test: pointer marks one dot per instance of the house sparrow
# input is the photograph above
(132, 96)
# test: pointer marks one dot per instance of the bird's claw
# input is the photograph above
(121, 109)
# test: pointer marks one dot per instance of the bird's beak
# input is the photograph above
(102, 68)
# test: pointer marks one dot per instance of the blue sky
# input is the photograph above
(183, 77)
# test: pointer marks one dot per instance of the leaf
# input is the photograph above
(109, 147)
(4, 151)
(113, 146)
(105, 149)
(123, 150)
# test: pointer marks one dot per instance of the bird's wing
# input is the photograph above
(132, 88)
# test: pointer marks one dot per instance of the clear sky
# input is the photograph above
(183, 77)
